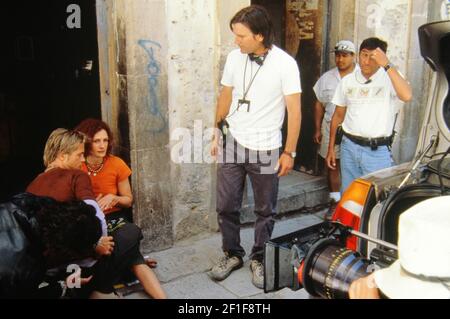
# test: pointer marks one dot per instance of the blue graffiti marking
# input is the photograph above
(154, 71)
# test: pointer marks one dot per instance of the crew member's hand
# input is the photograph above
(105, 246)
(84, 281)
(285, 165)
(364, 288)
(379, 57)
(107, 202)
(331, 159)
(317, 138)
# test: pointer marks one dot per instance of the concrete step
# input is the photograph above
(296, 191)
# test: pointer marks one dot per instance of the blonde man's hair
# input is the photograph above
(62, 141)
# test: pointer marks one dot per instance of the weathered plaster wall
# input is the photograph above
(199, 40)
(226, 10)
(192, 86)
(143, 80)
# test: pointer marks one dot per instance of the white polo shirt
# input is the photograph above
(371, 107)
(325, 88)
(260, 128)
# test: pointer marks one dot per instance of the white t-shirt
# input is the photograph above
(371, 107)
(260, 127)
(325, 88)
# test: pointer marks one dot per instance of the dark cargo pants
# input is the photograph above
(238, 162)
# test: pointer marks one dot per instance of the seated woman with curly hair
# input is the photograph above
(109, 175)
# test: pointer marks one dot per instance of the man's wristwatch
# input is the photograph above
(388, 66)
(290, 154)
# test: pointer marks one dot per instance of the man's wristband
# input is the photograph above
(290, 154)
(388, 66)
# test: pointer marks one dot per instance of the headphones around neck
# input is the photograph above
(258, 59)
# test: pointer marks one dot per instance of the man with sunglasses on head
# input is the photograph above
(366, 106)
(324, 89)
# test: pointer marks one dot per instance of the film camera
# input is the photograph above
(316, 258)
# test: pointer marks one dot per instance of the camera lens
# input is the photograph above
(329, 268)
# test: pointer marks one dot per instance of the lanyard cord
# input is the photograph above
(251, 82)
(243, 84)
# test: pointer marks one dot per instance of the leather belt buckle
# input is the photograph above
(373, 144)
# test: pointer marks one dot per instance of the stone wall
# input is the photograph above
(192, 84)
(142, 82)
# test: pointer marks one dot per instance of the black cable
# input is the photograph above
(434, 155)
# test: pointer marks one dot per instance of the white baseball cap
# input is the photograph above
(423, 268)
(345, 46)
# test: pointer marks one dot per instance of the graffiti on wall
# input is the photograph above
(159, 123)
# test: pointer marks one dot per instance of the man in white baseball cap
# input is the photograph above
(324, 89)
(423, 268)
(345, 46)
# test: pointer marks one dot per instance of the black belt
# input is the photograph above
(372, 142)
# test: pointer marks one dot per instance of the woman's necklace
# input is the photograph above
(94, 169)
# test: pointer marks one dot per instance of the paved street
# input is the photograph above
(182, 268)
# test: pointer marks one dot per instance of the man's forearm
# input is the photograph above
(401, 86)
(223, 105)
(293, 133)
(294, 122)
(318, 115)
(333, 128)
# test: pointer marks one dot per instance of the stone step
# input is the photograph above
(296, 191)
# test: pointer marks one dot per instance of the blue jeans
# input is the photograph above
(357, 161)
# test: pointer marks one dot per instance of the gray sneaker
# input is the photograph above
(257, 269)
(224, 267)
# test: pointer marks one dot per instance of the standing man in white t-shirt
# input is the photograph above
(324, 89)
(365, 105)
(260, 82)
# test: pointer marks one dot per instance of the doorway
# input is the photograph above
(50, 79)
(301, 28)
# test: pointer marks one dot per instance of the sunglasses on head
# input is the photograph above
(342, 48)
